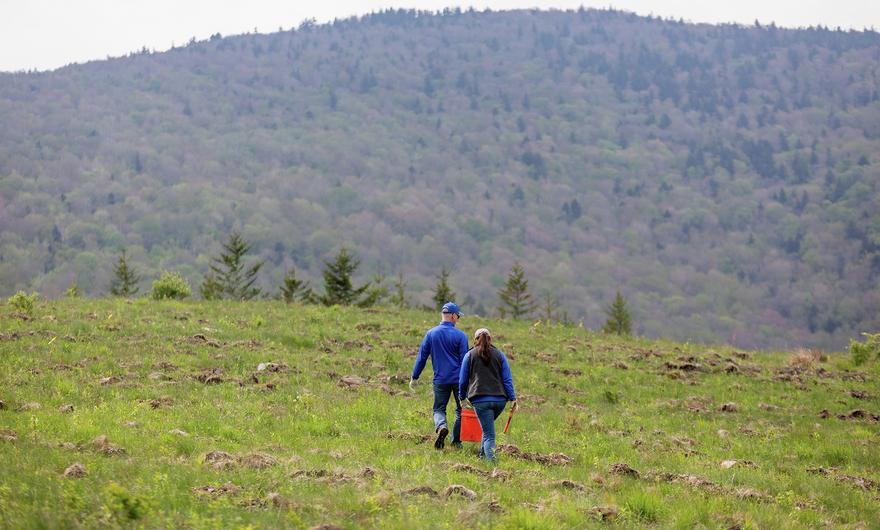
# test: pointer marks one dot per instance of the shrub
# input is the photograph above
(170, 285)
(862, 351)
(23, 303)
(72, 291)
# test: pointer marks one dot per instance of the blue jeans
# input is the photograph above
(487, 413)
(441, 399)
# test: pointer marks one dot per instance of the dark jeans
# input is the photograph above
(487, 413)
(441, 399)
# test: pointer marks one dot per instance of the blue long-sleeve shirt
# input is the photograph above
(445, 345)
(464, 376)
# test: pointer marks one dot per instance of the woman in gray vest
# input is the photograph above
(486, 382)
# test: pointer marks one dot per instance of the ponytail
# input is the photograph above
(483, 344)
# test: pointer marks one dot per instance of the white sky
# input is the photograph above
(47, 34)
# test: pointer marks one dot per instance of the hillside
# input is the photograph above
(218, 415)
(724, 178)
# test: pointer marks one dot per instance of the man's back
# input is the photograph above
(446, 345)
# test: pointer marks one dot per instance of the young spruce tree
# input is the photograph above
(442, 292)
(619, 321)
(228, 277)
(515, 298)
(294, 290)
(338, 289)
(125, 278)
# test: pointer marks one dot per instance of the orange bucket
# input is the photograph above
(470, 426)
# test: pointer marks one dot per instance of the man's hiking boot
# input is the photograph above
(441, 437)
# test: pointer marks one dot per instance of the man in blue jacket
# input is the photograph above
(446, 346)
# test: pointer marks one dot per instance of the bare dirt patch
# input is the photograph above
(623, 469)
(605, 513)
(858, 482)
(422, 490)
(569, 485)
(103, 446)
(459, 490)
(859, 414)
(66, 409)
(218, 491)
(75, 470)
(496, 473)
(209, 376)
(549, 459)
(8, 435)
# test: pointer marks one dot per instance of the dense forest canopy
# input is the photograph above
(723, 178)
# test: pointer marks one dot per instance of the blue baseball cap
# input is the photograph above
(450, 307)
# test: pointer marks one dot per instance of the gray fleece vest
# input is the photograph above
(485, 378)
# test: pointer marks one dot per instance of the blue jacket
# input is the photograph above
(445, 345)
(506, 378)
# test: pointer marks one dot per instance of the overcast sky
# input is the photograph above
(46, 34)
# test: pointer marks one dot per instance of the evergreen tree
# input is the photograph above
(619, 321)
(126, 278)
(398, 296)
(515, 299)
(338, 289)
(442, 292)
(228, 277)
(294, 290)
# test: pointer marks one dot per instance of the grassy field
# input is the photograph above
(231, 415)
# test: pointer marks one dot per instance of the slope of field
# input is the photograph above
(724, 178)
(224, 415)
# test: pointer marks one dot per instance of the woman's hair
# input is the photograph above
(483, 344)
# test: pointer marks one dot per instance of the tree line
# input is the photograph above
(231, 278)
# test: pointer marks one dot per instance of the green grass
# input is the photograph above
(348, 456)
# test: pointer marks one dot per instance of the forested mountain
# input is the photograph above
(723, 178)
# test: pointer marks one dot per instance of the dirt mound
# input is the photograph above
(550, 459)
(624, 470)
(458, 489)
(75, 470)
(217, 491)
(199, 338)
(209, 376)
(2, 405)
(65, 409)
(334, 477)
(706, 485)
(163, 401)
(103, 445)
(110, 380)
(418, 438)
(859, 482)
(179, 432)
(859, 394)
(33, 405)
(258, 460)
(422, 490)
(8, 435)
(494, 474)
(569, 485)
(351, 381)
(271, 367)
(728, 407)
(159, 376)
(859, 414)
(605, 513)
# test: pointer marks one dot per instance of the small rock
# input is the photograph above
(33, 405)
(64, 409)
(727, 464)
(458, 489)
(75, 470)
(111, 380)
(351, 381)
(728, 407)
(722, 433)
(178, 432)
(765, 406)
(131, 424)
